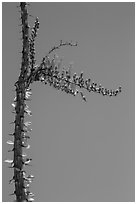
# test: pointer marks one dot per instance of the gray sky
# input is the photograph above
(80, 151)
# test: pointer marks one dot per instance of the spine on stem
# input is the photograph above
(20, 179)
(20, 109)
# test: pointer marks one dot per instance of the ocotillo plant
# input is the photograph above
(48, 72)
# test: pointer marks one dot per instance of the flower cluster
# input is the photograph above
(49, 73)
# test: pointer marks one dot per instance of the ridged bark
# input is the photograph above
(20, 109)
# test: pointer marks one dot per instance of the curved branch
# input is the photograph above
(58, 47)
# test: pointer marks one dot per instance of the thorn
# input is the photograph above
(13, 112)
(12, 180)
(11, 150)
(13, 122)
(11, 134)
(12, 193)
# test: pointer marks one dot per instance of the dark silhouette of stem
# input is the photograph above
(20, 105)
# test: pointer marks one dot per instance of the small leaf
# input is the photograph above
(28, 112)
(31, 194)
(15, 99)
(9, 161)
(30, 176)
(24, 155)
(28, 146)
(27, 123)
(28, 94)
(26, 129)
(10, 142)
(11, 181)
(28, 180)
(27, 185)
(30, 199)
(13, 105)
(28, 89)
(27, 161)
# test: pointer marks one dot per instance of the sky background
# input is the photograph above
(80, 151)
